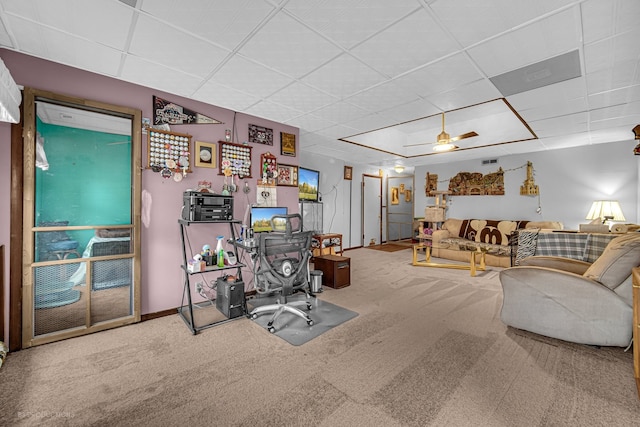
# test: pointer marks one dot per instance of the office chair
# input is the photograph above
(284, 267)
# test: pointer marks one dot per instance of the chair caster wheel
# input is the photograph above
(310, 322)
(271, 329)
(309, 306)
(254, 316)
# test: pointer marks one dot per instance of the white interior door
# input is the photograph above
(371, 210)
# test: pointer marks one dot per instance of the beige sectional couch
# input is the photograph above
(491, 236)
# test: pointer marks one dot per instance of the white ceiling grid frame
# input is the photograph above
(465, 95)
(109, 28)
(383, 96)
(603, 19)
(223, 22)
(157, 76)
(506, 53)
(223, 96)
(409, 44)
(349, 26)
(240, 74)
(343, 76)
(341, 112)
(283, 44)
(310, 123)
(276, 112)
(190, 54)
(303, 97)
(49, 43)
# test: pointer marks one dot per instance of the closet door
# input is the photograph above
(81, 231)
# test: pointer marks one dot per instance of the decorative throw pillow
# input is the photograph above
(496, 232)
(616, 262)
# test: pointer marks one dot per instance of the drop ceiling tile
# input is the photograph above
(5, 39)
(110, 28)
(348, 23)
(341, 112)
(463, 96)
(310, 122)
(337, 131)
(249, 77)
(289, 47)
(63, 48)
(372, 122)
(541, 40)
(233, 20)
(383, 96)
(412, 110)
(145, 73)
(471, 22)
(302, 97)
(441, 76)
(153, 39)
(343, 76)
(614, 97)
(272, 111)
(622, 76)
(223, 96)
(614, 52)
(410, 43)
(603, 19)
(558, 126)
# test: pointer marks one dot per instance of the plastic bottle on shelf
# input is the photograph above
(220, 252)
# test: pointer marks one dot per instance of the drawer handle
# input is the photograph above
(344, 265)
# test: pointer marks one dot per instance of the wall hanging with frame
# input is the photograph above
(168, 150)
(287, 175)
(268, 169)
(205, 154)
(236, 157)
(348, 173)
(287, 144)
(260, 135)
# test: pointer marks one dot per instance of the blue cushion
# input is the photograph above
(63, 245)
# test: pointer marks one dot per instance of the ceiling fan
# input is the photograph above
(444, 141)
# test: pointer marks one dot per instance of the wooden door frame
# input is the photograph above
(15, 237)
(362, 207)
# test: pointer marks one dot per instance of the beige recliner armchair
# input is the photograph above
(574, 300)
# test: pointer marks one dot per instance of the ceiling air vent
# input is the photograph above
(490, 162)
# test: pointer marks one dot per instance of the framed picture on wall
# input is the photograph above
(407, 196)
(260, 135)
(205, 154)
(287, 175)
(287, 144)
(348, 173)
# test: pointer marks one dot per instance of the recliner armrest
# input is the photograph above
(556, 263)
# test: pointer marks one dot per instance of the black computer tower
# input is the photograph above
(230, 297)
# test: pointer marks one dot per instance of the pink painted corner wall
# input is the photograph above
(162, 279)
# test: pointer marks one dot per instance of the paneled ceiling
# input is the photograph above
(367, 80)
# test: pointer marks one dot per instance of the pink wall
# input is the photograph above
(161, 250)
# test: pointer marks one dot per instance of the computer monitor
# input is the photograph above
(261, 218)
(308, 184)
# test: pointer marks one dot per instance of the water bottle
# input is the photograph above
(220, 252)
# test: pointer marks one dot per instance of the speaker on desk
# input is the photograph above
(230, 296)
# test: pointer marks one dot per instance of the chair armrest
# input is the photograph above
(556, 263)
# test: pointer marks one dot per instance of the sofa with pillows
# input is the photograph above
(490, 236)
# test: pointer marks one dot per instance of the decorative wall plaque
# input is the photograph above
(260, 135)
(287, 144)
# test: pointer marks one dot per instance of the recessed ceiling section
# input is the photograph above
(495, 122)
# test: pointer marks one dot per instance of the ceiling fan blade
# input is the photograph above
(464, 135)
(422, 143)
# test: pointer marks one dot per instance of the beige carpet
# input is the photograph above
(427, 349)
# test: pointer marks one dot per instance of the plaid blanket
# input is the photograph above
(580, 246)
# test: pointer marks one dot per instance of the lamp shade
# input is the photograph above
(606, 210)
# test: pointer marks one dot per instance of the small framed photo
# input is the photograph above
(407, 196)
(348, 173)
(287, 144)
(287, 175)
(205, 154)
